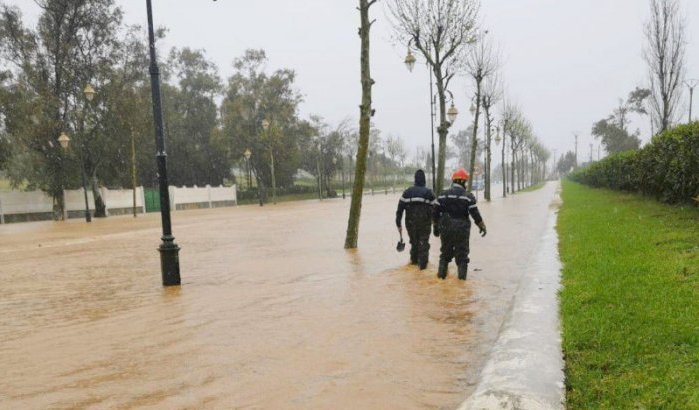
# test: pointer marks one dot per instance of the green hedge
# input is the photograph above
(667, 168)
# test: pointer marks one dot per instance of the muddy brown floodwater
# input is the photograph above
(273, 313)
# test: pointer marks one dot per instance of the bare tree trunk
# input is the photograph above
(512, 169)
(488, 157)
(474, 137)
(364, 127)
(443, 128)
(100, 206)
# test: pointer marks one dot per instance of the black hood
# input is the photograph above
(420, 178)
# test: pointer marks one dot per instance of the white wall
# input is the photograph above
(17, 202)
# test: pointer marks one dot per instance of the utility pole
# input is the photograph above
(591, 151)
(576, 151)
(555, 165)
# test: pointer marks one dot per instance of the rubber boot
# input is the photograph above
(463, 270)
(443, 268)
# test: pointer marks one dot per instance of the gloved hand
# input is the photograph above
(481, 228)
(435, 230)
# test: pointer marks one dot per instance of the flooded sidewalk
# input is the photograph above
(273, 313)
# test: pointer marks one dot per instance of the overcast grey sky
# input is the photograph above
(566, 62)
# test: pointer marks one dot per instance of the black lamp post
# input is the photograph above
(247, 155)
(169, 251)
(410, 63)
(64, 140)
(89, 95)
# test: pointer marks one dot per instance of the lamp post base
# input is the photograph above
(170, 263)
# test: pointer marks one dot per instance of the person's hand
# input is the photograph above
(481, 229)
(435, 230)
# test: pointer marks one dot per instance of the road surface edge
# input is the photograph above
(525, 367)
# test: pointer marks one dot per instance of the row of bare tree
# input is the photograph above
(445, 34)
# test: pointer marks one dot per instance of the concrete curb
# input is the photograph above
(525, 367)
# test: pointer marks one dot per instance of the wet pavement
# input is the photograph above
(273, 312)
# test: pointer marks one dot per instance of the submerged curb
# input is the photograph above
(525, 367)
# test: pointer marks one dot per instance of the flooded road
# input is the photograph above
(273, 312)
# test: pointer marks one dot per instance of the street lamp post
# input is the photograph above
(410, 63)
(64, 140)
(169, 250)
(320, 180)
(265, 127)
(247, 155)
(89, 95)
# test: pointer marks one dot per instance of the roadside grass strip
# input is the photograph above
(533, 187)
(630, 301)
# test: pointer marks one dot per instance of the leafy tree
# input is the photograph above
(253, 96)
(196, 147)
(566, 163)
(615, 138)
(613, 129)
(463, 146)
(71, 46)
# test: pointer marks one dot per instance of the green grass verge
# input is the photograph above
(533, 187)
(630, 301)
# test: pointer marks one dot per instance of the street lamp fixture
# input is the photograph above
(472, 110)
(410, 61)
(452, 113)
(247, 154)
(63, 139)
(89, 92)
(265, 125)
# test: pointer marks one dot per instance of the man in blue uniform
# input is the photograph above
(453, 226)
(417, 203)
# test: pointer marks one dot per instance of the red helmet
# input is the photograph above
(460, 175)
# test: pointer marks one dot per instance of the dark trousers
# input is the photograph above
(419, 234)
(454, 234)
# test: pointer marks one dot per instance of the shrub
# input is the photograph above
(667, 168)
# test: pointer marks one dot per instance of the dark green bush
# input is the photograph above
(667, 168)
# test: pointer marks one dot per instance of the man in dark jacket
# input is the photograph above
(417, 203)
(452, 225)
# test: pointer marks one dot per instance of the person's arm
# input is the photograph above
(436, 214)
(476, 215)
(399, 212)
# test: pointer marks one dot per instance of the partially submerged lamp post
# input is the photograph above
(265, 127)
(169, 251)
(247, 155)
(89, 95)
(64, 140)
